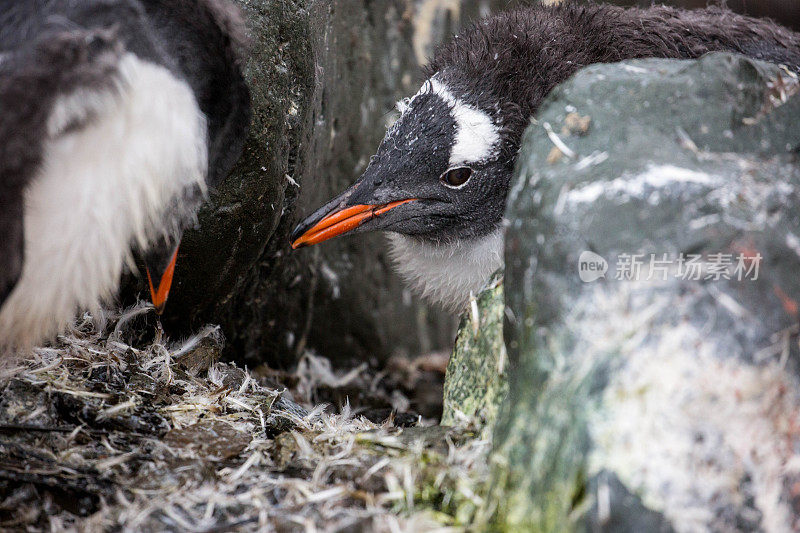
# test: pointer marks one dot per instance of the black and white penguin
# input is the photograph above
(116, 116)
(439, 179)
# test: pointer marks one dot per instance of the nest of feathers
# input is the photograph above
(100, 432)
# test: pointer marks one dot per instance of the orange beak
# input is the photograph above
(342, 221)
(158, 295)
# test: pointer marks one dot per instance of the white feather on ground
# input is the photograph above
(327, 471)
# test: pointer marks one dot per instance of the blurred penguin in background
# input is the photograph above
(116, 116)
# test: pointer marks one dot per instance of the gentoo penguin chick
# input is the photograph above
(116, 117)
(439, 179)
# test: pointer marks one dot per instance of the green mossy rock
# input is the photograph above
(476, 384)
(658, 402)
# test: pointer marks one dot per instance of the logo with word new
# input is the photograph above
(591, 267)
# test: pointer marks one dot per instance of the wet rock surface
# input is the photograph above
(654, 395)
(325, 77)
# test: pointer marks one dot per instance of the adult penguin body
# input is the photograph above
(115, 118)
(439, 180)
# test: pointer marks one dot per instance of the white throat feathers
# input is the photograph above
(447, 273)
(117, 161)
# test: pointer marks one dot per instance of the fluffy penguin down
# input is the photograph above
(115, 159)
(447, 273)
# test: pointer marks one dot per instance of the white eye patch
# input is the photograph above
(477, 136)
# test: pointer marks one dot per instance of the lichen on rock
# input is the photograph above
(476, 383)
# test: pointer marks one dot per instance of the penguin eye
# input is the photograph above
(456, 177)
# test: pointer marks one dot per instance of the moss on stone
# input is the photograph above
(476, 382)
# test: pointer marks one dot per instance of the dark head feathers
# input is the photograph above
(514, 59)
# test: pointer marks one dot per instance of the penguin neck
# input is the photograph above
(447, 273)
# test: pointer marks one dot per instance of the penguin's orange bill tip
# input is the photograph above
(342, 221)
(158, 295)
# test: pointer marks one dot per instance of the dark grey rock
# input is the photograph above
(325, 76)
(678, 387)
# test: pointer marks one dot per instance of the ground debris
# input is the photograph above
(98, 432)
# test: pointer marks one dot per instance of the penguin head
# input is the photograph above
(440, 174)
